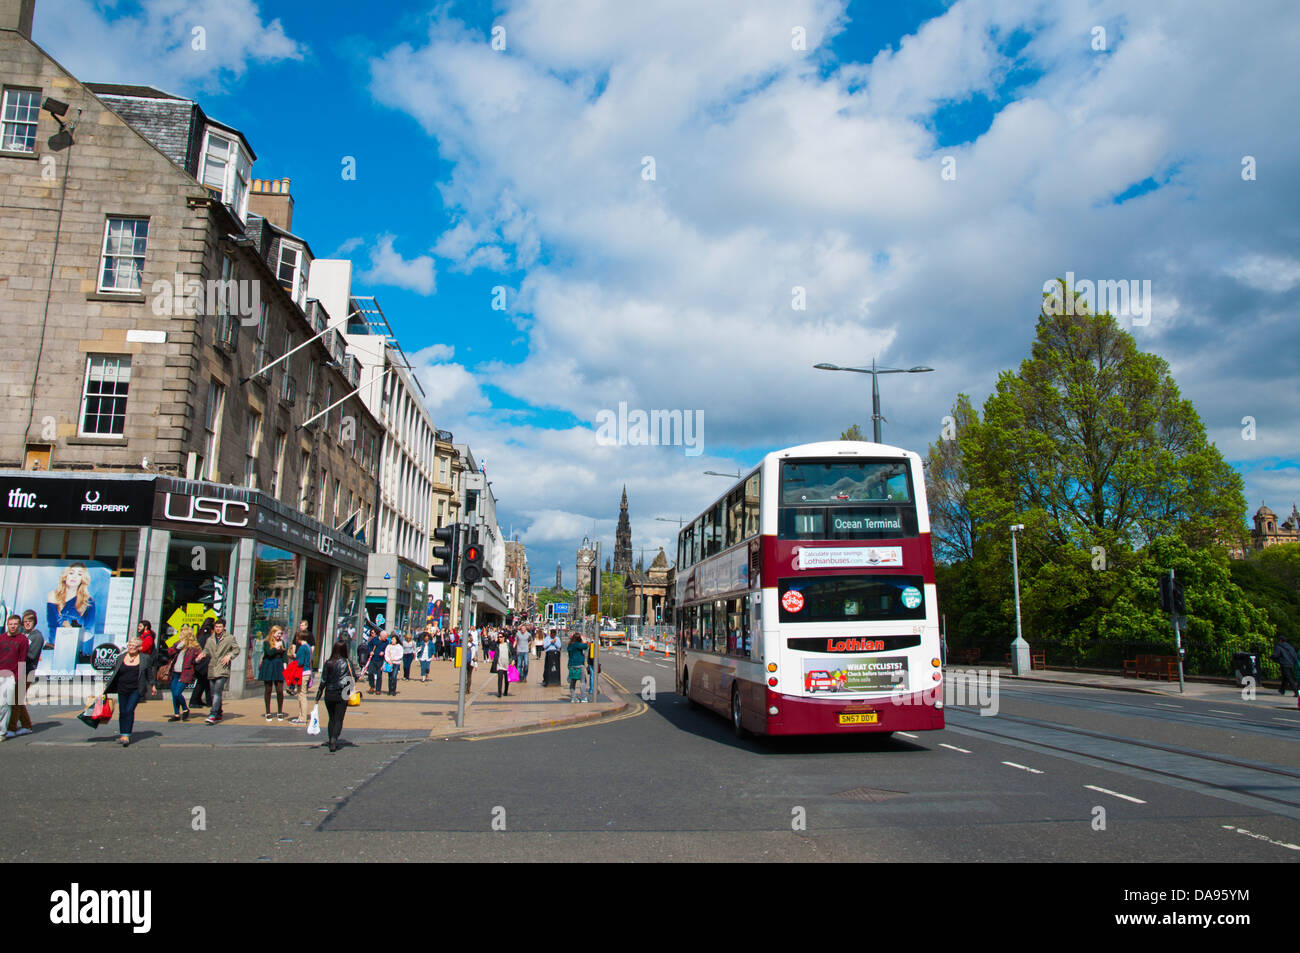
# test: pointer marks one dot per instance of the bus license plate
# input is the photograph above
(859, 718)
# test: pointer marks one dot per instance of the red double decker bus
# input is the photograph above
(805, 599)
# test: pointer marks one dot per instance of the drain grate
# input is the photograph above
(868, 794)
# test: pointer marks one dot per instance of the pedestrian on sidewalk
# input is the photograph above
(221, 650)
(181, 657)
(425, 655)
(126, 682)
(470, 660)
(392, 662)
(13, 666)
(1284, 653)
(337, 683)
(302, 654)
(551, 669)
(271, 672)
(523, 651)
(408, 656)
(19, 721)
(503, 666)
(577, 662)
(201, 697)
(374, 663)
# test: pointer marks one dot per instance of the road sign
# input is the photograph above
(561, 608)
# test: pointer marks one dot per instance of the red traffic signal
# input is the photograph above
(472, 567)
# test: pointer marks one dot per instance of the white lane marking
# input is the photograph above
(904, 734)
(1165, 705)
(1269, 840)
(1287, 721)
(1220, 712)
(953, 748)
(1135, 800)
(1022, 767)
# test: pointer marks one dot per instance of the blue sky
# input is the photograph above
(1091, 136)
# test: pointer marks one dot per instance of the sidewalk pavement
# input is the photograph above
(419, 711)
(1225, 691)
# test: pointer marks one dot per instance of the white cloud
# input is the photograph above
(178, 47)
(776, 169)
(388, 267)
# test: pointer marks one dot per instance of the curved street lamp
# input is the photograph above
(875, 371)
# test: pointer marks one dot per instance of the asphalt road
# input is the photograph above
(1178, 781)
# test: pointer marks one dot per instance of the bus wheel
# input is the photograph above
(736, 725)
(686, 689)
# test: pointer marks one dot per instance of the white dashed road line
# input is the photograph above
(1269, 840)
(1218, 712)
(1022, 767)
(904, 734)
(1165, 705)
(1135, 800)
(953, 748)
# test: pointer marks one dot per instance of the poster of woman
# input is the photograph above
(75, 596)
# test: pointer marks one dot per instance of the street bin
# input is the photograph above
(1245, 665)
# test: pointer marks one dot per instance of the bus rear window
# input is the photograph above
(852, 598)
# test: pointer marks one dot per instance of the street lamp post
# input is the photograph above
(1020, 658)
(875, 372)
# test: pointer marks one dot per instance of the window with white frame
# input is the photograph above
(212, 429)
(338, 493)
(252, 447)
(324, 494)
(103, 397)
(125, 241)
(329, 399)
(22, 109)
(281, 440)
(259, 356)
(292, 271)
(304, 482)
(226, 169)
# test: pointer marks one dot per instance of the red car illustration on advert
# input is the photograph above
(823, 681)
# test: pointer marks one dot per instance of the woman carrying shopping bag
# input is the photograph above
(127, 681)
(393, 662)
(338, 685)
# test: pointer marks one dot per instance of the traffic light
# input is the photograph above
(449, 554)
(472, 567)
(1180, 604)
(1166, 599)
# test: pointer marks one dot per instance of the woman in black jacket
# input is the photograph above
(338, 682)
(129, 681)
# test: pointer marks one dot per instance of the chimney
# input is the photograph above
(17, 15)
(269, 198)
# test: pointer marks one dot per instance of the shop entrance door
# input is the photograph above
(315, 593)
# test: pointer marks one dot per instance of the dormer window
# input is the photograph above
(225, 171)
(292, 271)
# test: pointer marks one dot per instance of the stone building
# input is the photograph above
(446, 504)
(1268, 532)
(148, 297)
(648, 593)
(519, 598)
(623, 539)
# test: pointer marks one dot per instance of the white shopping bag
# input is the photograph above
(313, 726)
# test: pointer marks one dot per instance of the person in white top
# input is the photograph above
(393, 662)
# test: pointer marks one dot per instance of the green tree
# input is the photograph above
(853, 433)
(947, 486)
(1270, 579)
(547, 596)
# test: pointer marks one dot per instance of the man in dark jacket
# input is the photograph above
(1284, 654)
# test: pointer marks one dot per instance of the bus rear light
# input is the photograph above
(771, 666)
(937, 676)
(772, 682)
(773, 710)
(935, 662)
